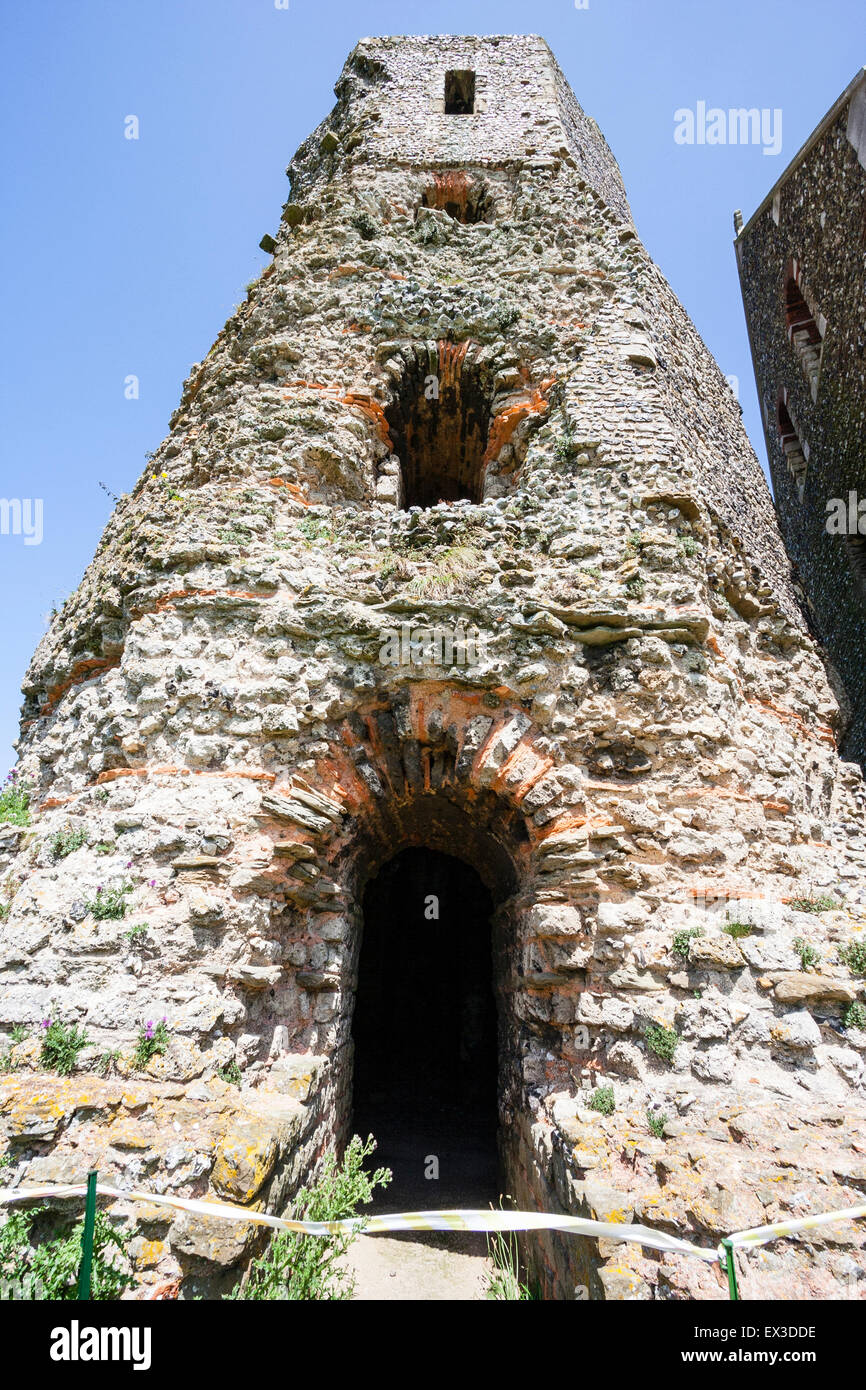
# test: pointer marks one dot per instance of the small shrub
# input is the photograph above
(313, 529)
(50, 1269)
(107, 1062)
(18, 1033)
(656, 1122)
(635, 587)
(295, 1266)
(67, 840)
(855, 1016)
(602, 1100)
(230, 1072)
(662, 1041)
(823, 903)
(105, 846)
(364, 225)
(810, 958)
(565, 447)
(15, 800)
(152, 1041)
(5, 909)
(61, 1046)
(683, 939)
(738, 929)
(136, 935)
(853, 954)
(109, 903)
(687, 545)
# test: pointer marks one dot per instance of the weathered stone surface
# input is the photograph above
(566, 650)
(794, 986)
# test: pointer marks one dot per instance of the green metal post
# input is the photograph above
(733, 1291)
(87, 1237)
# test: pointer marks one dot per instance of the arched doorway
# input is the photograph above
(425, 1067)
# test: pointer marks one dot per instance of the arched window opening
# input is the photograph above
(439, 420)
(793, 447)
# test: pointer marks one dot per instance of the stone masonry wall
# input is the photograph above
(644, 744)
(814, 226)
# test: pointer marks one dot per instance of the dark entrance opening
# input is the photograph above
(425, 1073)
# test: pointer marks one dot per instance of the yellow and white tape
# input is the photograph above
(457, 1220)
(761, 1235)
(400, 1221)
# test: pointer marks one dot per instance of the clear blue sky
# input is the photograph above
(125, 257)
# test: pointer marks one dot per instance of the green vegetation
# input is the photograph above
(635, 587)
(152, 1041)
(312, 529)
(67, 840)
(235, 535)
(656, 1122)
(364, 225)
(662, 1041)
(566, 445)
(61, 1045)
(109, 903)
(295, 1266)
(136, 935)
(230, 1072)
(107, 1062)
(15, 800)
(502, 1282)
(738, 929)
(687, 545)
(683, 939)
(452, 567)
(49, 1270)
(823, 903)
(853, 954)
(810, 958)
(602, 1100)
(855, 1015)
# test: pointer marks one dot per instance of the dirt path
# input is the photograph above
(436, 1265)
(440, 1267)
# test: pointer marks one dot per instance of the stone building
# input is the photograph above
(436, 732)
(801, 264)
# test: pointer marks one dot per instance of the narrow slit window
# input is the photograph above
(460, 92)
(793, 447)
(805, 330)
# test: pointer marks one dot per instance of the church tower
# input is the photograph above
(436, 733)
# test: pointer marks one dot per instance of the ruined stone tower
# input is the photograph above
(800, 259)
(456, 550)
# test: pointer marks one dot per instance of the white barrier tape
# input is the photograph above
(761, 1235)
(400, 1221)
(458, 1220)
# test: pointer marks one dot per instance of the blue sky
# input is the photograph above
(125, 256)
